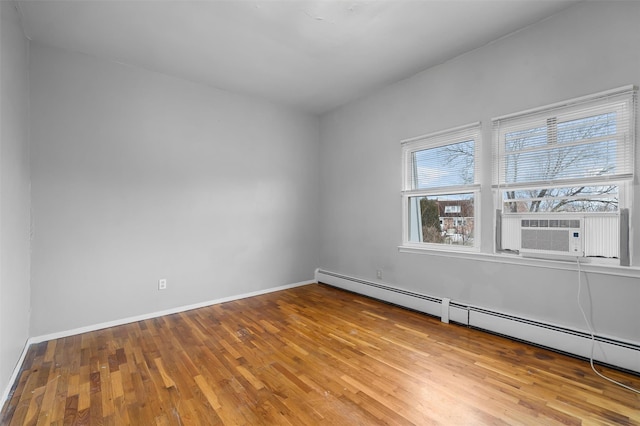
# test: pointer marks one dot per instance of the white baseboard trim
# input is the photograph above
(94, 327)
(609, 350)
(100, 326)
(14, 375)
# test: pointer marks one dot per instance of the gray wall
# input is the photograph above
(585, 49)
(138, 176)
(14, 193)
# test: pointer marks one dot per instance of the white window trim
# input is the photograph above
(434, 140)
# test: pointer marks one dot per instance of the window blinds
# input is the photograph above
(442, 160)
(586, 140)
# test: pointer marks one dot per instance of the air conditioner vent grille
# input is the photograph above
(550, 223)
(546, 239)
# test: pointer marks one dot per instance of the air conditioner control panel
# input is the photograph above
(575, 242)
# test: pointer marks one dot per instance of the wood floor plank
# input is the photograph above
(308, 355)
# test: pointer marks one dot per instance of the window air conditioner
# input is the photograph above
(565, 236)
(552, 237)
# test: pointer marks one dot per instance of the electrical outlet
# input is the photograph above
(162, 284)
(379, 274)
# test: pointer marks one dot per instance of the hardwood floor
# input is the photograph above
(304, 356)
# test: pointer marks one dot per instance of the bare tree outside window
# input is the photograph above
(557, 152)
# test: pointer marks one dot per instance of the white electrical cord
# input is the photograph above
(593, 337)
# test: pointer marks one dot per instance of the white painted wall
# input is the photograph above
(139, 176)
(585, 49)
(14, 192)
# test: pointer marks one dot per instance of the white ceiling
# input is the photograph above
(312, 55)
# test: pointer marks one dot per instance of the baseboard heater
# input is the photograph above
(609, 351)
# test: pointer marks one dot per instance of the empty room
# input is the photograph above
(319, 212)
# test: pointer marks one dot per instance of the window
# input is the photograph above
(441, 189)
(573, 160)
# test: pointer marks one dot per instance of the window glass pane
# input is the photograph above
(586, 128)
(447, 165)
(524, 139)
(566, 199)
(442, 219)
(562, 162)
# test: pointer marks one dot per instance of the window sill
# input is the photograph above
(515, 259)
(434, 247)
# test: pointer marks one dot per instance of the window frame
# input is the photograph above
(621, 101)
(472, 131)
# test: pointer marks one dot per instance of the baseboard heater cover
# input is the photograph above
(605, 350)
(609, 351)
(415, 301)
